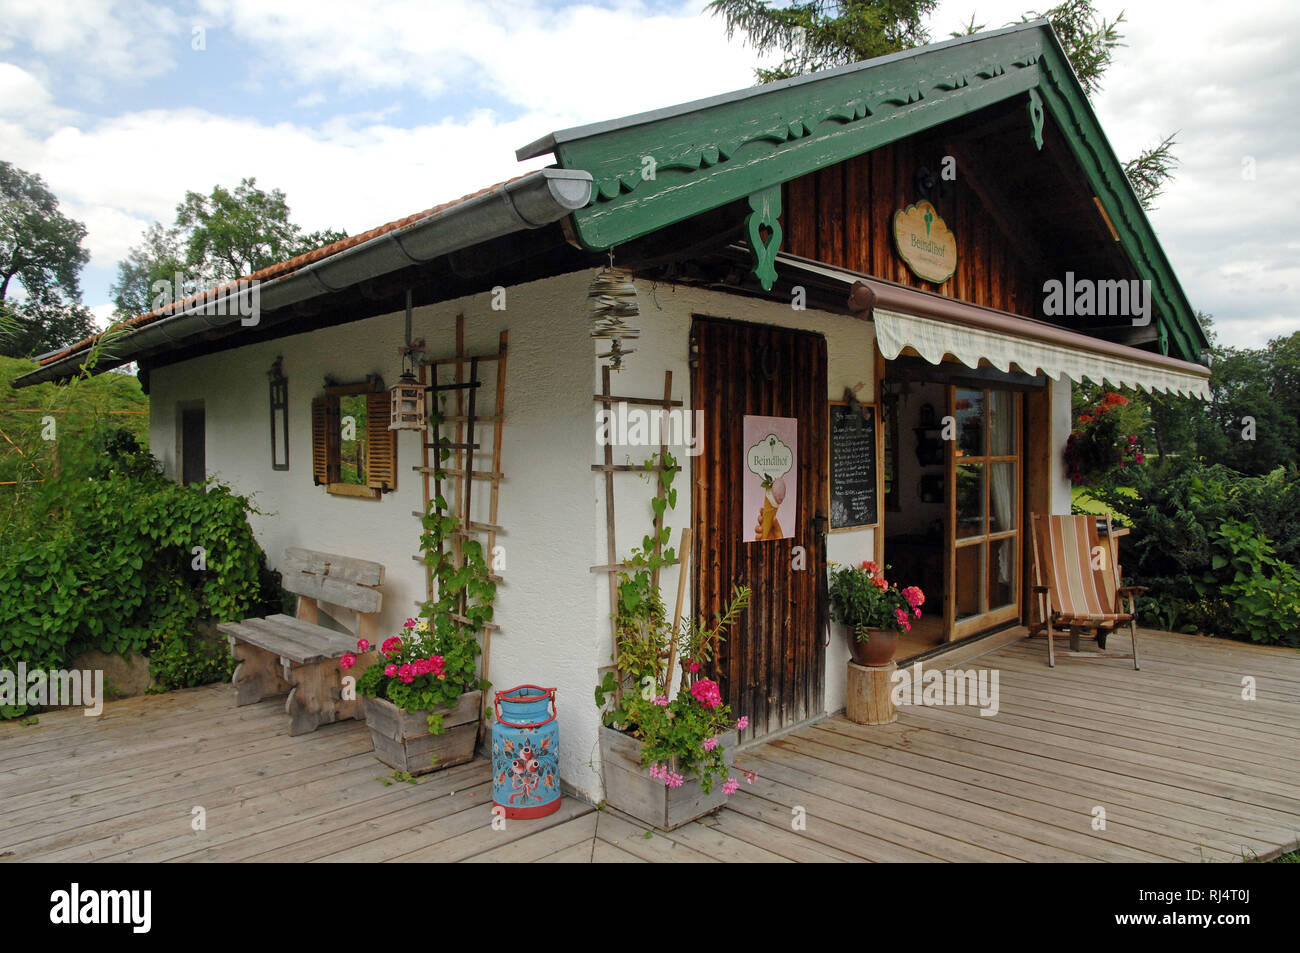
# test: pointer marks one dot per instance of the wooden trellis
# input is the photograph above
(608, 467)
(468, 426)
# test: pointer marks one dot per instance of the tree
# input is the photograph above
(819, 34)
(39, 245)
(227, 234)
(37, 327)
(158, 258)
(1089, 40)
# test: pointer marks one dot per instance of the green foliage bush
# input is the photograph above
(105, 558)
(1219, 550)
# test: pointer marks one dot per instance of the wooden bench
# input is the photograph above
(282, 654)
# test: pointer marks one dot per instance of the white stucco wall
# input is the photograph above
(1062, 418)
(546, 606)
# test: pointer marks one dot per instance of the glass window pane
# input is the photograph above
(1002, 423)
(352, 439)
(970, 579)
(970, 499)
(1002, 573)
(969, 412)
(1002, 497)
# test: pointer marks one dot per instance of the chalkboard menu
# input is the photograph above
(853, 466)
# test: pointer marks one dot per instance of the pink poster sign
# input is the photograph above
(771, 477)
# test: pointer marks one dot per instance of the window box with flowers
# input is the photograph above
(665, 739)
(874, 610)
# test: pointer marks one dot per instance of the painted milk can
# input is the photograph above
(526, 752)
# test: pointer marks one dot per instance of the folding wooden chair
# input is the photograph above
(1077, 581)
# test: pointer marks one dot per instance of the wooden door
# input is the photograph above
(771, 666)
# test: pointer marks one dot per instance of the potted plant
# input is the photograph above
(665, 738)
(874, 609)
(421, 697)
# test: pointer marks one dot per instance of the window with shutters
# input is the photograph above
(353, 453)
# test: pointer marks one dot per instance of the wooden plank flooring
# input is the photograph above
(1183, 768)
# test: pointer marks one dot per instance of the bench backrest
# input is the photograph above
(337, 580)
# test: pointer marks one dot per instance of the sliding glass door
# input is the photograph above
(984, 519)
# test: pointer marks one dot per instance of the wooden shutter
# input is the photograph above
(325, 440)
(381, 443)
(319, 454)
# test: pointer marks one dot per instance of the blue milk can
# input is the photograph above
(526, 752)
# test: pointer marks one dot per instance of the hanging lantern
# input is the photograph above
(612, 299)
(406, 403)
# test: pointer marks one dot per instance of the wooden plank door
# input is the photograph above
(772, 665)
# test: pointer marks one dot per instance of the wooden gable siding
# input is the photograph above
(843, 215)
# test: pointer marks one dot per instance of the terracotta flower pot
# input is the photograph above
(878, 649)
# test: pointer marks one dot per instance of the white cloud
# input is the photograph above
(584, 60)
(21, 93)
(113, 40)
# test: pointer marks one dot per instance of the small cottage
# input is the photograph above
(849, 308)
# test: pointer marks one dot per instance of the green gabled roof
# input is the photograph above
(714, 151)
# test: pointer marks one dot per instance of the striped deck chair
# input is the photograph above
(1077, 582)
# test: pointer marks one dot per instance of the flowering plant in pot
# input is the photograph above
(423, 696)
(667, 730)
(875, 609)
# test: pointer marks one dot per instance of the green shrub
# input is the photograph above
(113, 556)
(1217, 549)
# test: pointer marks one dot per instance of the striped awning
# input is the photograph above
(932, 339)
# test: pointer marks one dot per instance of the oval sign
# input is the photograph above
(925, 242)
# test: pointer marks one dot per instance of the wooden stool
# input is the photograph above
(868, 699)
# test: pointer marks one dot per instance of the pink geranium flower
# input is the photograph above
(707, 693)
(390, 670)
(391, 646)
(730, 786)
(347, 661)
(406, 673)
(743, 723)
(710, 743)
(363, 645)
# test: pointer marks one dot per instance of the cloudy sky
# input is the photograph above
(363, 112)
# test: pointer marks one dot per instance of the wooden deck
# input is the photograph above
(1184, 769)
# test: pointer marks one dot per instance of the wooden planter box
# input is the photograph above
(402, 739)
(630, 789)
